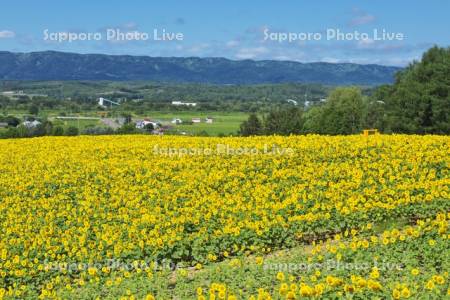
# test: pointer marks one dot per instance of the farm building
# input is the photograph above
(179, 103)
(31, 124)
(143, 123)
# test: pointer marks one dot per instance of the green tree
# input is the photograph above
(149, 127)
(375, 112)
(71, 131)
(34, 109)
(419, 100)
(58, 131)
(127, 129)
(284, 121)
(313, 120)
(252, 126)
(341, 114)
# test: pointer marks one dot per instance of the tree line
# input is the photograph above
(417, 103)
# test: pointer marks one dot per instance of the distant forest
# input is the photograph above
(139, 97)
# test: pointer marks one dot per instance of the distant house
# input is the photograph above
(196, 120)
(176, 121)
(307, 103)
(31, 124)
(292, 101)
(209, 120)
(179, 103)
(3, 125)
(143, 123)
(17, 94)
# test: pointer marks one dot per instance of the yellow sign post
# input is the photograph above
(367, 132)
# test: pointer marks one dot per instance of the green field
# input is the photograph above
(225, 123)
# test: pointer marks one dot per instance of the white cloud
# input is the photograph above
(199, 49)
(4, 34)
(130, 26)
(365, 43)
(232, 43)
(361, 18)
(250, 53)
(331, 60)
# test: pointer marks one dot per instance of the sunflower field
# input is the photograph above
(167, 217)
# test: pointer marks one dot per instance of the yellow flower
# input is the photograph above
(431, 242)
(349, 288)
(199, 291)
(283, 288)
(429, 285)
(306, 291)
(415, 272)
(373, 285)
(92, 271)
(280, 276)
(319, 289)
(439, 279)
(375, 274)
(259, 260)
(290, 295)
(396, 294)
(362, 282)
(406, 293)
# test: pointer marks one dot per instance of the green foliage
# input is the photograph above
(127, 129)
(34, 109)
(284, 121)
(71, 131)
(342, 113)
(149, 127)
(252, 126)
(58, 131)
(10, 120)
(419, 101)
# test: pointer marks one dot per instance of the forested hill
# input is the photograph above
(51, 65)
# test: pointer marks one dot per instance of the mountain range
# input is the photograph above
(52, 65)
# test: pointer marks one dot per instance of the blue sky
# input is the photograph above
(233, 29)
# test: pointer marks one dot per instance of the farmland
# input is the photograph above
(223, 210)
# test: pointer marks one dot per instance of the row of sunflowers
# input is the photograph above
(71, 205)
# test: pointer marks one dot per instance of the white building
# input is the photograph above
(103, 102)
(196, 120)
(209, 120)
(31, 124)
(176, 121)
(142, 123)
(179, 103)
(292, 101)
(307, 103)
